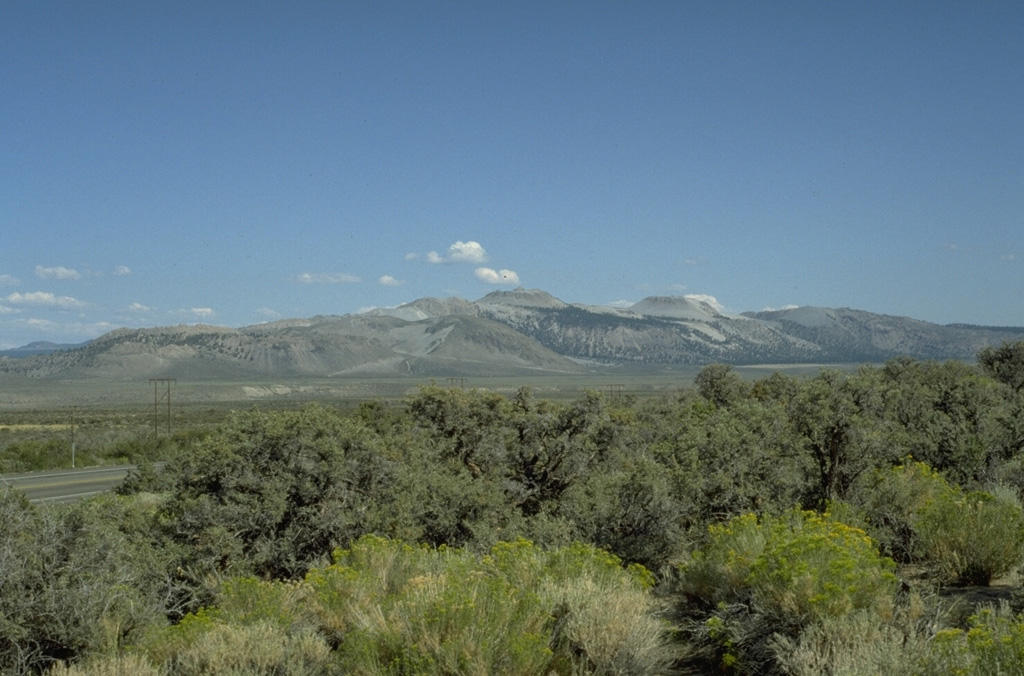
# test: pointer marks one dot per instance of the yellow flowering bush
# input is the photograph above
(758, 578)
(800, 564)
(814, 567)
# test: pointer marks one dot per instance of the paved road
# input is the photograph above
(65, 485)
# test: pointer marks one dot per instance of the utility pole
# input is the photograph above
(158, 397)
(72, 438)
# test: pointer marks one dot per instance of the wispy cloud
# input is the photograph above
(122, 271)
(64, 330)
(44, 299)
(9, 280)
(388, 280)
(697, 260)
(496, 276)
(198, 312)
(326, 278)
(267, 313)
(4, 310)
(460, 252)
(139, 307)
(58, 272)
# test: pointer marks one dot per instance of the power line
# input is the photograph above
(159, 397)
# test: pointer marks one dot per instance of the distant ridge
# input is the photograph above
(521, 297)
(504, 333)
(37, 347)
(425, 308)
(873, 337)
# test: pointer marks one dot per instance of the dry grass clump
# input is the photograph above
(120, 665)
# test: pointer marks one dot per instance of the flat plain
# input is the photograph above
(25, 395)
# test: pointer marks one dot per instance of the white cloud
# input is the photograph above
(467, 252)
(388, 280)
(122, 270)
(58, 272)
(620, 303)
(326, 278)
(268, 313)
(4, 310)
(704, 298)
(411, 256)
(139, 307)
(41, 323)
(44, 299)
(496, 276)
(775, 309)
(200, 312)
(694, 261)
(8, 280)
(460, 252)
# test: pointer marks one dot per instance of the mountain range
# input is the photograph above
(516, 332)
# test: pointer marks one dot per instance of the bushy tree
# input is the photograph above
(74, 581)
(720, 385)
(1004, 363)
(273, 493)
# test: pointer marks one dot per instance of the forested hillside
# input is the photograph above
(821, 525)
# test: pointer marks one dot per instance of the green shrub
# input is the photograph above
(257, 627)
(32, 455)
(603, 620)
(964, 537)
(629, 509)
(857, 644)
(992, 645)
(973, 537)
(891, 501)
(256, 649)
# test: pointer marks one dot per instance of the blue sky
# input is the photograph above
(238, 162)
